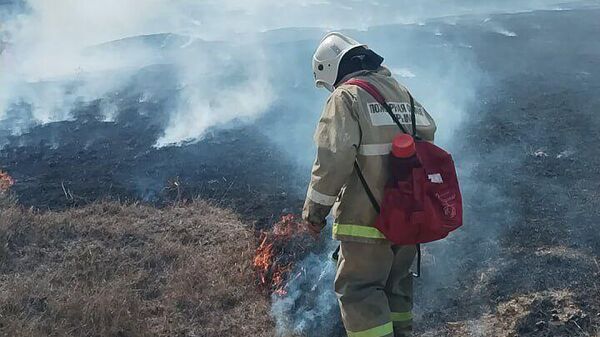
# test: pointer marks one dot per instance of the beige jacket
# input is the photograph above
(353, 125)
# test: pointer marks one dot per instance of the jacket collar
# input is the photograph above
(383, 71)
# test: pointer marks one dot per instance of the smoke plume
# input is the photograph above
(57, 54)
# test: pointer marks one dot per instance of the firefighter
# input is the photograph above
(373, 281)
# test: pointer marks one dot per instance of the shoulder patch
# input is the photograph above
(380, 117)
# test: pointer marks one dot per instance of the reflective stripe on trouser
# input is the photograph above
(402, 322)
(374, 289)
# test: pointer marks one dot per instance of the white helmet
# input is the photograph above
(326, 60)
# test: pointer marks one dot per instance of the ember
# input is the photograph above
(279, 248)
(6, 182)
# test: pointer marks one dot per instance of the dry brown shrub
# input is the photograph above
(128, 270)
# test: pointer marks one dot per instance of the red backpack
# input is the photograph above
(426, 209)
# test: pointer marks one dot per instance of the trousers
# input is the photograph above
(374, 287)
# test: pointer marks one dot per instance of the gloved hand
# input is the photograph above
(314, 228)
(315, 218)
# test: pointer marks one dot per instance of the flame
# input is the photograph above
(6, 182)
(272, 261)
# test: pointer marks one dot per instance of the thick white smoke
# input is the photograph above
(45, 48)
(49, 42)
(211, 96)
(55, 55)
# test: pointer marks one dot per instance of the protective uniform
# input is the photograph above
(373, 282)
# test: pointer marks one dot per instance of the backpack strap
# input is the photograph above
(375, 93)
(363, 181)
(413, 116)
(418, 273)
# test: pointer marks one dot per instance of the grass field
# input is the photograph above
(110, 269)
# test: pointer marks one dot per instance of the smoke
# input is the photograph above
(45, 63)
(239, 90)
(57, 55)
(310, 304)
(48, 67)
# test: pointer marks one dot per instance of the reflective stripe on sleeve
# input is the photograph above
(401, 316)
(357, 231)
(378, 331)
(320, 198)
(375, 149)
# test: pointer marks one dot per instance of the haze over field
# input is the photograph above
(49, 62)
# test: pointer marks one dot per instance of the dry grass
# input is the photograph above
(522, 315)
(128, 270)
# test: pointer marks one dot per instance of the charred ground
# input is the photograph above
(74, 163)
(531, 155)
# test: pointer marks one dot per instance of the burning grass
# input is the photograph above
(6, 182)
(7, 199)
(279, 248)
(129, 270)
